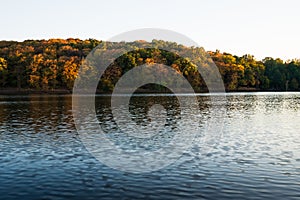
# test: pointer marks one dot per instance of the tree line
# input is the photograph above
(45, 65)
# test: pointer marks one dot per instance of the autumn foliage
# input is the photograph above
(45, 65)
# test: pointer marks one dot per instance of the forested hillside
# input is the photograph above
(47, 65)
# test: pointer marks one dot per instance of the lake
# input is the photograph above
(257, 155)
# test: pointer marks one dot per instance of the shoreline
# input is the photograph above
(15, 91)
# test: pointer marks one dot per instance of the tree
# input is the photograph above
(70, 70)
(3, 71)
(34, 71)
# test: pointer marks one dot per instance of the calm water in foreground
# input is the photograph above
(258, 156)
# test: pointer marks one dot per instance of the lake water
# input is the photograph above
(257, 157)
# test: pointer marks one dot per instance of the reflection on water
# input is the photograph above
(41, 156)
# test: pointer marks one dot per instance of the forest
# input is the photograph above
(53, 65)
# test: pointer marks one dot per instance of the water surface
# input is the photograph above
(258, 156)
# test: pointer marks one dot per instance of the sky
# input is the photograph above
(261, 28)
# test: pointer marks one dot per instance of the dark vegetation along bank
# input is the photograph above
(52, 66)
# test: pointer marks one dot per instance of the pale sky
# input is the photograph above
(258, 27)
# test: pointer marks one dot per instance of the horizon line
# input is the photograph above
(221, 51)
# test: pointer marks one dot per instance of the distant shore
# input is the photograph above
(16, 91)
